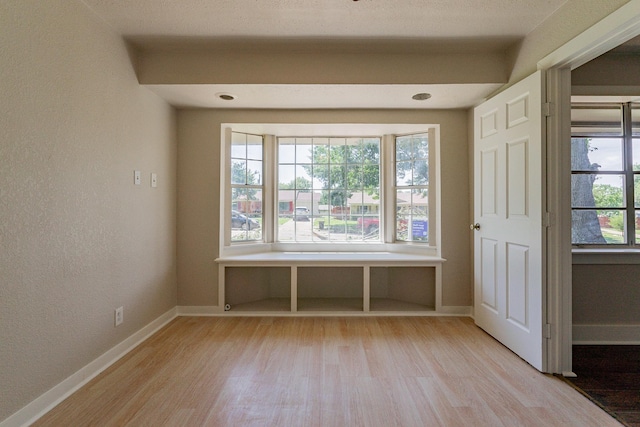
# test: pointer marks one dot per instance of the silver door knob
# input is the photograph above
(475, 226)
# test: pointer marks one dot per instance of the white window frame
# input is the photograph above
(387, 192)
(627, 170)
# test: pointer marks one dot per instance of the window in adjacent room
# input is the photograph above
(605, 174)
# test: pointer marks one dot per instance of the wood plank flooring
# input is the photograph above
(314, 371)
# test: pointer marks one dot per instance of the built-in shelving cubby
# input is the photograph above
(257, 288)
(330, 289)
(403, 289)
(338, 283)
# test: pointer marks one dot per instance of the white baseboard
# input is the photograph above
(606, 334)
(214, 310)
(47, 401)
(456, 310)
(198, 310)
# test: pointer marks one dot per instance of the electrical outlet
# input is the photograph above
(119, 316)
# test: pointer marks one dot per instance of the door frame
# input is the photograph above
(613, 30)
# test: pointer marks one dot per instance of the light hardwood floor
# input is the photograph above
(313, 371)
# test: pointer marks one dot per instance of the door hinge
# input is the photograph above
(548, 219)
(548, 109)
(547, 331)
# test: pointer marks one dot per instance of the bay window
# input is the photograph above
(323, 192)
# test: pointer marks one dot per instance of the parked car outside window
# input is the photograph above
(301, 214)
(239, 220)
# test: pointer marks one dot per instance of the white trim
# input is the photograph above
(199, 310)
(606, 334)
(217, 311)
(47, 401)
(606, 256)
(558, 233)
(455, 310)
(613, 30)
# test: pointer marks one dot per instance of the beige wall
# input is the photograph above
(199, 191)
(204, 67)
(77, 238)
(606, 294)
(574, 17)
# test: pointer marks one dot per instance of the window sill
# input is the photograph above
(330, 258)
(603, 256)
(335, 251)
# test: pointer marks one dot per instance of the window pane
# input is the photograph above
(598, 227)
(337, 150)
(404, 174)
(286, 176)
(321, 150)
(321, 177)
(421, 172)
(636, 154)
(597, 154)
(371, 177)
(246, 214)
(286, 150)
(636, 191)
(421, 146)
(637, 225)
(412, 215)
(635, 119)
(403, 148)
(254, 148)
(337, 177)
(354, 150)
(286, 225)
(355, 177)
(238, 145)
(365, 210)
(254, 172)
(593, 190)
(303, 150)
(596, 120)
(238, 172)
(371, 151)
(303, 178)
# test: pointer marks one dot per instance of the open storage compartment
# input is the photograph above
(330, 289)
(258, 288)
(403, 289)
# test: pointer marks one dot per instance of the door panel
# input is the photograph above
(489, 283)
(517, 183)
(488, 174)
(517, 284)
(508, 194)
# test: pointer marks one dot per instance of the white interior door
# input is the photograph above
(508, 205)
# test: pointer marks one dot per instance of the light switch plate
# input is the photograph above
(154, 180)
(137, 177)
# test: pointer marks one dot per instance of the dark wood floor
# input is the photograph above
(313, 371)
(610, 374)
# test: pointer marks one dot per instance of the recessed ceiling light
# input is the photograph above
(226, 96)
(421, 96)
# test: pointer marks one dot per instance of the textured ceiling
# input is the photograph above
(401, 26)
(425, 19)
